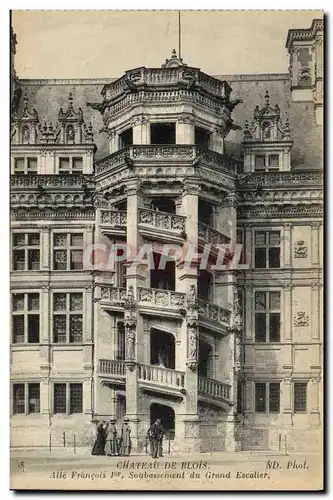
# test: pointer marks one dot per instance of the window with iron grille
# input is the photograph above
(266, 162)
(26, 398)
(26, 251)
(67, 317)
(267, 397)
(267, 316)
(267, 249)
(67, 251)
(25, 318)
(300, 399)
(67, 398)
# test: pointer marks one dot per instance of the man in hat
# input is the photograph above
(155, 436)
(125, 443)
(111, 443)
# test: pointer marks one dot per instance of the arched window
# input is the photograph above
(25, 134)
(70, 136)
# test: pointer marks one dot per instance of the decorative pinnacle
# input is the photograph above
(174, 54)
(70, 101)
(25, 101)
(267, 99)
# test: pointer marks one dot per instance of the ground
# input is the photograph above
(66, 470)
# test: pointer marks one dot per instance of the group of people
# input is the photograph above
(109, 442)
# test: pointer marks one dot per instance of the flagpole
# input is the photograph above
(179, 35)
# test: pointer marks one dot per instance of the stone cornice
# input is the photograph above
(307, 34)
(280, 212)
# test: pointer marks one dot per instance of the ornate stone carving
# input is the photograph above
(215, 313)
(193, 339)
(301, 319)
(300, 250)
(115, 218)
(130, 341)
(129, 300)
(191, 299)
(211, 235)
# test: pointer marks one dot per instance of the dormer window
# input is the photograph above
(267, 163)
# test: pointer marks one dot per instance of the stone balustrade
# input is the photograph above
(162, 376)
(214, 389)
(270, 179)
(161, 220)
(161, 298)
(214, 313)
(211, 235)
(173, 152)
(114, 218)
(52, 181)
(112, 367)
(113, 294)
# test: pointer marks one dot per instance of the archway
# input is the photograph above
(162, 349)
(167, 416)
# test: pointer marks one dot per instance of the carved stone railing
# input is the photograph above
(18, 214)
(161, 220)
(210, 235)
(214, 313)
(214, 389)
(162, 376)
(113, 294)
(160, 298)
(270, 179)
(45, 181)
(115, 218)
(141, 77)
(112, 367)
(173, 152)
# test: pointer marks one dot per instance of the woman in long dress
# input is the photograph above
(111, 445)
(98, 448)
(125, 438)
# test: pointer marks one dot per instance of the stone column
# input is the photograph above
(87, 396)
(185, 130)
(286, 405)
(45, 396)
(217, 141)
(315, 244)
(287, 246)
(226, 221)
(141, 130)
(113, 140)
(45, 248)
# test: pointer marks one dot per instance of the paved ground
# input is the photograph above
(62, 469)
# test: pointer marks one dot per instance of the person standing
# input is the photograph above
(111, 444)
(99, 445)
(155, 436)
(125, 444)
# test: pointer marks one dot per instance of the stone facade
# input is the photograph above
(230, 357)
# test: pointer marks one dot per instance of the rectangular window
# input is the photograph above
(67, 398)
(267, 316)
(25, 318)
(273, 162)
(67, 251)
(67, 317)
(267, 249)
(300, 390)
(267, 397)
(266, 163)
(126, 138)
(120, 341)
(260, 390)
(64, 167)
(18, 398)
(20, 405)
(77, 166)
(19, 167)
(26, 251)
(59, 398)
(202, 137)
(163, 133)
(260, 163)
(32, 165)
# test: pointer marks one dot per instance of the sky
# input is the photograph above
(103, 44)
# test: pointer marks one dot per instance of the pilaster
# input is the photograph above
(315, 311)
(315, 244)
(287, 313)
(45, 248)
(185, 130)
(287, 247)
(141, 130)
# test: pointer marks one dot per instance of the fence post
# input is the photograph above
(64, 438)
(74, 444)
(50, 442)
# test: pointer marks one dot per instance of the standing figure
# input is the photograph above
(125, 439)
(155, 436)
(99, 445)
(111, 443)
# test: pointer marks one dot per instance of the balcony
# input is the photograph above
(165, 379)
(113, 297)
(113, 222)
(162, 225)
(209, 235)
(212, 316)
(212, 389)
(174, 160)
(162, 302)
(113, 370)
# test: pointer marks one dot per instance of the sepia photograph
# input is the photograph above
(166, 250)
